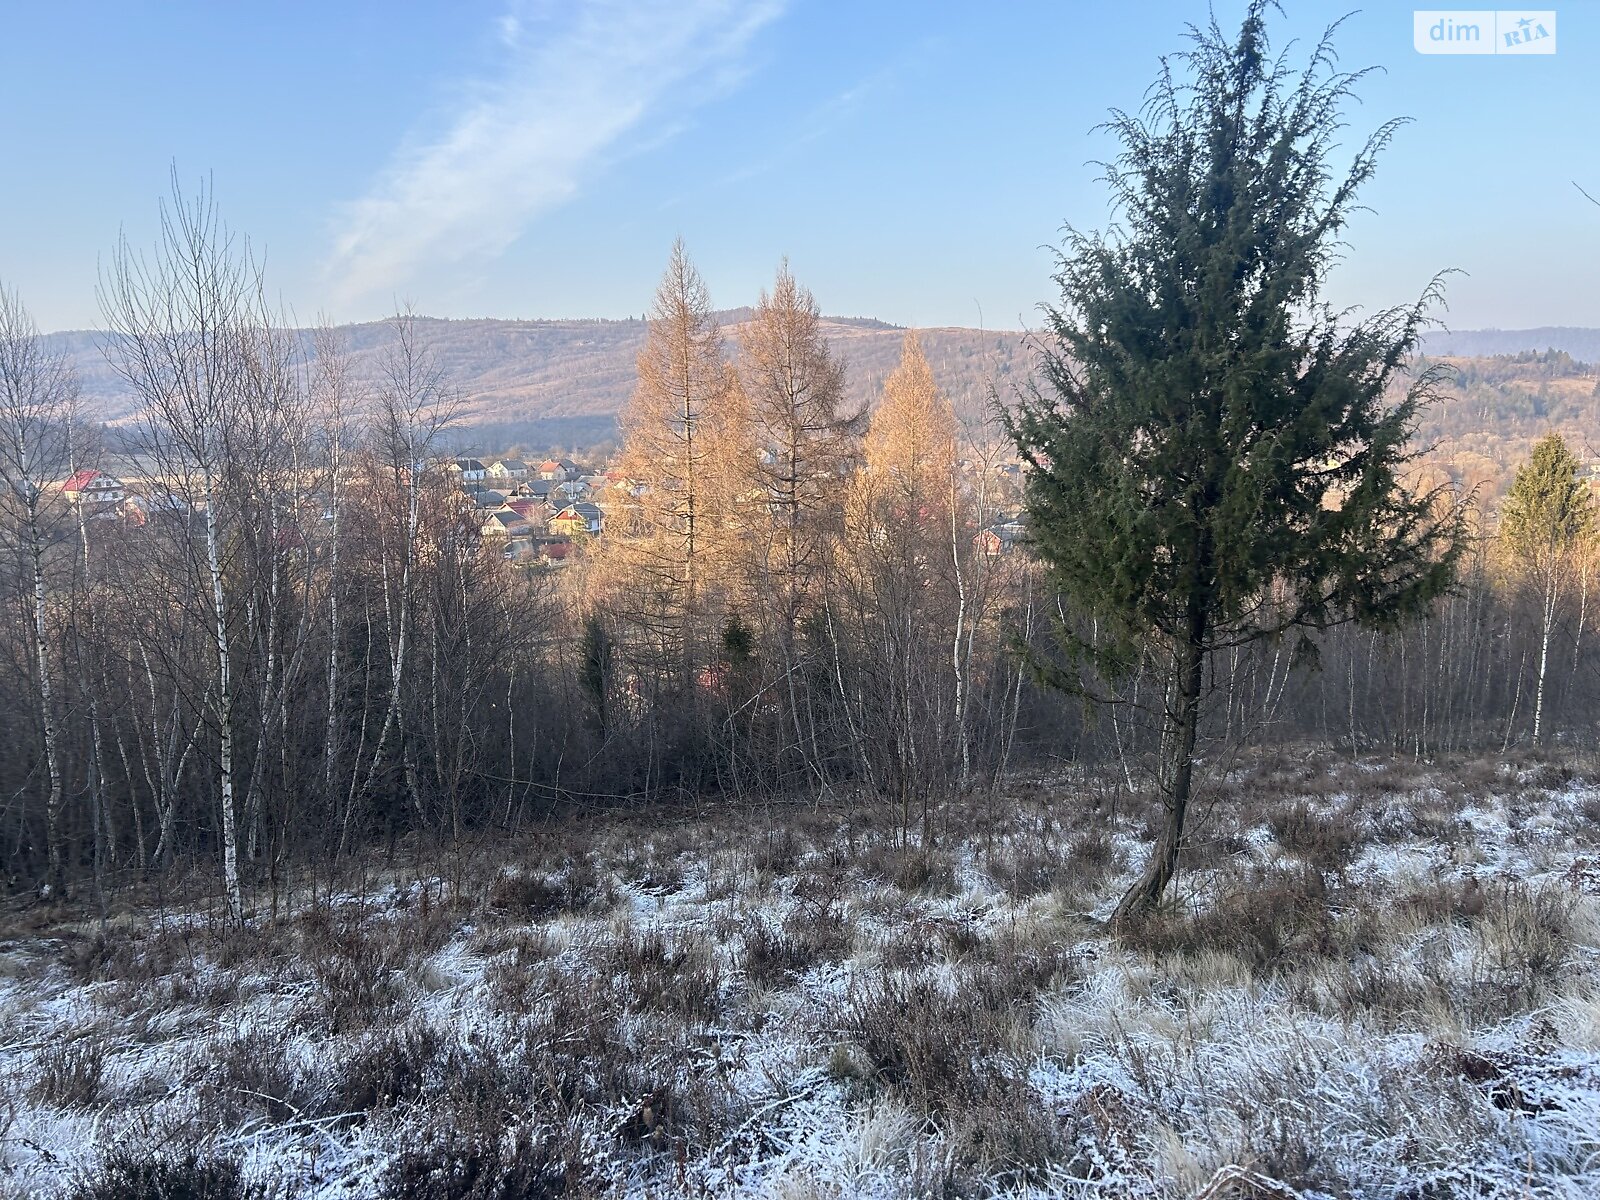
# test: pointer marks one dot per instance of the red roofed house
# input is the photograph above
(93, 487)
(577, 520)
(528, 508)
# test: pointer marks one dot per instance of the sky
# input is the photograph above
(914, 162)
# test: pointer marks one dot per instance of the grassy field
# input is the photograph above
(1377, 979)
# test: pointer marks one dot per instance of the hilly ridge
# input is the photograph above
(554, 383)
(562, 382)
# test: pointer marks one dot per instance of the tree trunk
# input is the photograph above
(47, 712)
(230, 842)
(957, 663)
(1549, 619)
(1147, 891)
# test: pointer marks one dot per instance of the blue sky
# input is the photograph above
(519, 158)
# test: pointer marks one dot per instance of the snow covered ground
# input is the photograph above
(1377, 980)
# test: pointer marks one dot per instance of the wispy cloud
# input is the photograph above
(570, 82)
(823, 118)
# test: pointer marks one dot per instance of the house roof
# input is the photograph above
(80, 480)
(512, 464)
(469, 464)
(582, 511)
(506, 518)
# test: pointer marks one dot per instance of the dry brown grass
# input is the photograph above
(645, 994)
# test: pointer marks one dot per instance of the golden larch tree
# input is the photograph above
(909, 451)
(678, 426)
(804, 445)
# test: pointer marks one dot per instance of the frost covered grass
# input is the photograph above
(1376, 979)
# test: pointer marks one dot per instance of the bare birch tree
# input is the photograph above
(183, 325)
(37, 395)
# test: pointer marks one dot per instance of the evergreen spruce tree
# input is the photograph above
(1546, 526)
(1214, 457)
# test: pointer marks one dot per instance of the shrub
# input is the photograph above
(943, 1052)
(1279, 920)
(514, 980)
(134, 1175)
(356, 975)
(1325, 840)
(771, 956)
(71, 1074)
(1446, 902)
(485, 1161)
(1527, 940)
(925, 1043)
(254, 1073)
(389, 1069)
(123, 957)
(679, 978)
(926, 871)
(529, 897)
(1030, 869)
(809, 935)
(777, 852)
(926, 940)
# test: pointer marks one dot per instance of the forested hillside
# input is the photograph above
(539, 384)
(562, 383)
(1494, 409)
(1483, 343)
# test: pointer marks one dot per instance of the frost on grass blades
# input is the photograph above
(1379, 979)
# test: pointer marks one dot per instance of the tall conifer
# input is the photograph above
(1214, 459)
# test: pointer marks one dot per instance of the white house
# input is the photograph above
(508, 469)
(93, 487)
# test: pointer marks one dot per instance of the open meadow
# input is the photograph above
(1376, 978)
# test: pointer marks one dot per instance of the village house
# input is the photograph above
(531, 509)
(508, 469)
(999, 539)
(469, 470)
(538, 489)
(560, 470)
(577, 520)
(511, 532)
(94, 488)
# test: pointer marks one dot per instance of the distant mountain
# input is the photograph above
(1582, 344)
(541, 384)
(562, 383)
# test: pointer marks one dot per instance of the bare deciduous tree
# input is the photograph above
(38, 393)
